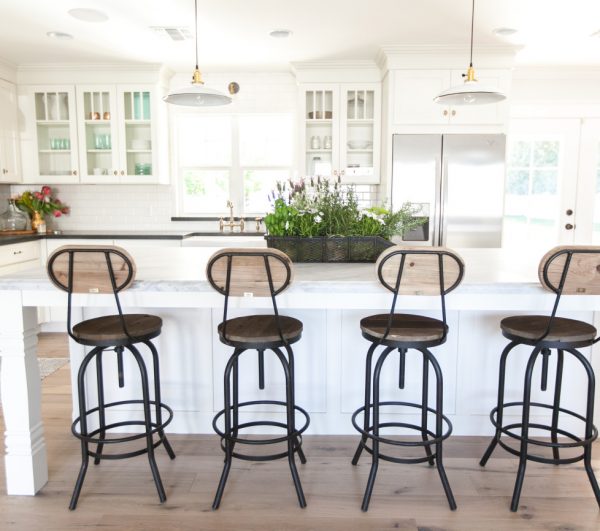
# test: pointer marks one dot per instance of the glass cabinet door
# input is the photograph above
(136, 133)
(358, 133)
(55, 132)
(98, 143)
(320, 115)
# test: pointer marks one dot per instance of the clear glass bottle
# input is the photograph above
(13, 218)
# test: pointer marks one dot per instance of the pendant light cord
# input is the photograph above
(472, 21)
(196, 23)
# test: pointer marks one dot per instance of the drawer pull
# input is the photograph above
(17, 252)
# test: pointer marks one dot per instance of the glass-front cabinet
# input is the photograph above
(96, 134)
(341, 131)
(116, 134)
(55, 141)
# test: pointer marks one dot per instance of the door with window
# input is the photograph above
(540, 202)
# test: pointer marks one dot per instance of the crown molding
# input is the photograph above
(89, 67)
(8, 70)
(544, 72)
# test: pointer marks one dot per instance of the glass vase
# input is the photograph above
(13, 218)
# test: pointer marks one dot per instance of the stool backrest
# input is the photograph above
(571, 270)
(419, 271)
(249, 272)
(91, 269)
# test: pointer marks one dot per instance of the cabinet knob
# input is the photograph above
(122, 172)
(445, 113)
(74, 172)
(4, 171)
(116, 172)
(453, 112)
(569, 226)
(569, 212)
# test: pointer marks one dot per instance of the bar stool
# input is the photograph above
(110, 270)
(260, 273)
(408, 271)
(564, 271)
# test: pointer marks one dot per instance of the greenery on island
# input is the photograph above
(324, 208)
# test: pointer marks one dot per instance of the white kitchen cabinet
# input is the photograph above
(341, 131)
(93, 134)
(117, 134)
(10, 170)
(414, 90)
(49, 142)
(19, 256)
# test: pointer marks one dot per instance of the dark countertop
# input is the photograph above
(119, 235)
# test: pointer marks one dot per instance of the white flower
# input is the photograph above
(287, 225)
(318, 219)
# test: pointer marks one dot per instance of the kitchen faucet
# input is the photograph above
(231, 223)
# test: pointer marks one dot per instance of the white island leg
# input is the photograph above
(26, 463)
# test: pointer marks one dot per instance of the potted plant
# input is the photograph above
(40, 204)
(321, 221)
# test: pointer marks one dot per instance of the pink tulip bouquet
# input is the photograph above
(42, 202)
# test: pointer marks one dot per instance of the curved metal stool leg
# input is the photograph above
(290, 354)
(367, 412)
(227, 416)
(85, 456)
(439, 408)
(500, 405)
(375, 461)
(101, 415)
(148, 422)
(158, 399)
(589, 424)
(291, 425)
(514, 505)
(424, 403)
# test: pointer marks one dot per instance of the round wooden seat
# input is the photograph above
(532, 327)
(260, 329)
(404, 328)
(108, 330)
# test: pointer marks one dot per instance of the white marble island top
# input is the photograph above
(494, 279)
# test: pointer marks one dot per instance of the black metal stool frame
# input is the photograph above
(232, 405)
(544, 347)
(150, 428)
(429, 438)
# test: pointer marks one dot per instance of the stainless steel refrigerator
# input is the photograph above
(457, 181)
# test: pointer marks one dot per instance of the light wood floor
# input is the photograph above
(121, 495)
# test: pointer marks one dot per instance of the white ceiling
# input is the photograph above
(233, 34)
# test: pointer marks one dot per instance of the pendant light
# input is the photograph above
(197, 95)
(471, 92)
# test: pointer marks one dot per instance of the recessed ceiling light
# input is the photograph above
(60, 35)
(88, 15)
(504, 32)
(280, 33)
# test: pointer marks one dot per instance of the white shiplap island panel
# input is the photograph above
(330, 299)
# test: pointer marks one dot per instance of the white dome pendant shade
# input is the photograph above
(196, 94)
(471, 92)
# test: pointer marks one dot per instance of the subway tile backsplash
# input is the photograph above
(131, 207)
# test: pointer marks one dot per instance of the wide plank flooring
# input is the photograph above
(260, 496)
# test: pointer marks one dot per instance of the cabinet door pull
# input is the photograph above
(74, 172)
(445, 113)
(116, 172)
(122, 172)
(4, 171)
(569, 226)
(453, 112)
(17, 252)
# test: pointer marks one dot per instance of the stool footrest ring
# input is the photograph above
(89, 438)
(295, 436)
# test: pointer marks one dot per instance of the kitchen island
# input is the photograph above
(330, 299)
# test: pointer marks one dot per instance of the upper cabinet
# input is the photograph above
(10, 170)
(96, 134)
(341, 131)
(116, 134)
(414, 90)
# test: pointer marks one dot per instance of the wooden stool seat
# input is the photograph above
(404, 327)
(533, 327)
(108, 330)
(257, 329)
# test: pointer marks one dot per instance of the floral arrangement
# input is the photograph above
(42, 202)
(324, 208)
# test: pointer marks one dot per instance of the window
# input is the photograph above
(237, 157)
(531, 197)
